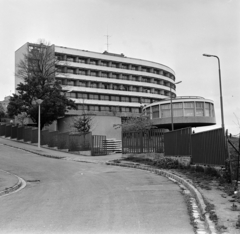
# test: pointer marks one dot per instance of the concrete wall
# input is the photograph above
(101, 125)
(19, 55)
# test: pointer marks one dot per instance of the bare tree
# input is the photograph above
(38, 69)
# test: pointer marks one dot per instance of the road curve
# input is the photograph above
(71, 197)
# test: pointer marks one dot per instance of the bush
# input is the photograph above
(199, 168)
(211, 171)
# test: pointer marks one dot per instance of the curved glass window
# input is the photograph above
(155, 112)
(188, 109)
(199, 109)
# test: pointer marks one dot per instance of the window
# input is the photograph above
(125, 109)
(104, 97)
(93, 96)
(125, 99)
(105, 86)
(177, 105)
(189, 109)
(115, 108)
(82, 72)
(82, 107)
(70, 82)
(82, 84)
(104, 75)
(188, 105)
(165, 111)
(177, 109)
(94, 108)
(93, 73)
(199, 108)
(69, 59)
(81, 60)
(71, 71)
(82, 95)
(135, 110)
(212, 110)
(116, 87)
(125, 88)
(105, 108)
(155, 112)
(207, 109)
(115, 98)
(165, 106)
(134, 99)
(146, 100)
(94, 85)
(134, 89)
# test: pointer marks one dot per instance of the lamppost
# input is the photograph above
(39, 102)
(171, 103)
(220, 84)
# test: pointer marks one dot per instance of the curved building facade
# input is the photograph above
(187, 112)
(112, 84)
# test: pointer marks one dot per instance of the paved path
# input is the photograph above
(64, 196)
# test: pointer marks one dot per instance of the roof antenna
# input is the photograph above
(107, 40)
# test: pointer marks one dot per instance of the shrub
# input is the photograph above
(199, 168)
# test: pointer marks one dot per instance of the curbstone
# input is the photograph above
(209, 225)
(13, 188)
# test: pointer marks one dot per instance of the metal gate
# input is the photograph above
(98, 146)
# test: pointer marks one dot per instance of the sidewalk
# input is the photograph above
(47, 152)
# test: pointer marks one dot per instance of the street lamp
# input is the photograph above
(220, 84)
(39, 102)
(171, 103)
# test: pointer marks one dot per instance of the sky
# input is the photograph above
(172, 32)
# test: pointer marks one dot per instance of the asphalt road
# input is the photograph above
(70, 197)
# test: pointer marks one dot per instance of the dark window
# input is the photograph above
(82, 107)
(125, 109)
(115, 98)
(125, 99)
(82, 95)
(104, 97)
(105, 108)
(93, 96)
(155, 112)
(94, 108)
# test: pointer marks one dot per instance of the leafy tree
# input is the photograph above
(82, 124)
(38, 70)
(141, 123)
(2, 112)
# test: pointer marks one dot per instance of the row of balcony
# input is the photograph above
(119, 77)
(125, 88)
(114, 64)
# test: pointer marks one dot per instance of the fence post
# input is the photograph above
(141, 141)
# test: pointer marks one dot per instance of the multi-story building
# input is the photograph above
(112, 84)
(105, 84)
(5, 103)
(109, 86)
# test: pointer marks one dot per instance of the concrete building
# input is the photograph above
(109, 85)
(5, 103)
(112, 87)
(187, 112)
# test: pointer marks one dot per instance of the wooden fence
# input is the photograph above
(143, 141)
(60, 140)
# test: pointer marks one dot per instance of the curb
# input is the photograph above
(34, 152)
(198, 196)
(12, 188)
